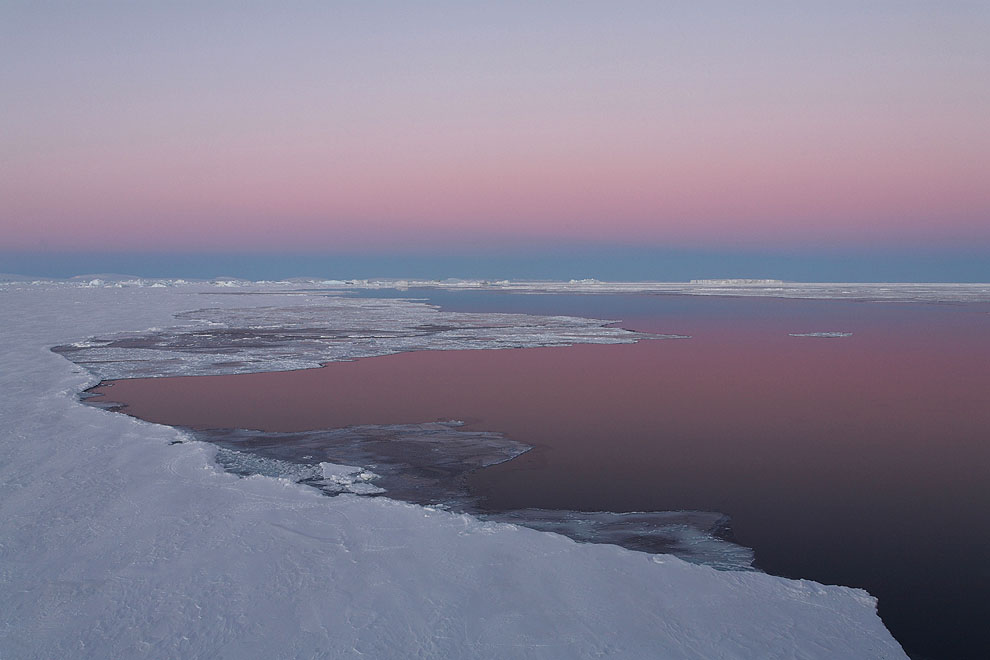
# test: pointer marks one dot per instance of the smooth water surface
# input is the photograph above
(860, 460)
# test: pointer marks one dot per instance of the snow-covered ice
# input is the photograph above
(232, 340)
(116, 541)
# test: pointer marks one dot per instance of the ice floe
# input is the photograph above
(828, 334)
(285, 337)
(419, 463)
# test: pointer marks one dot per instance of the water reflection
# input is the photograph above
(858, 460)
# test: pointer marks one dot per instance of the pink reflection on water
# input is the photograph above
(740, 405)
(861, 460)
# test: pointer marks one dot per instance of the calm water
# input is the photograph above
(861, 461)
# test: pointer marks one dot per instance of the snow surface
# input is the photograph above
(116, 541)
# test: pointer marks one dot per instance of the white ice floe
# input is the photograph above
(115, 543)
(828, 334)
(349, 479)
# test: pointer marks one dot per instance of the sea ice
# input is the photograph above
(830, 334)
(281, 338)
(694, 536)
(428, 463)
(264, 338)
(419, 463)
(900, 291)
(117, 543)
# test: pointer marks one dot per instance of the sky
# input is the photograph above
(828, 140)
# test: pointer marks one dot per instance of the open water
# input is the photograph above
(860, 459)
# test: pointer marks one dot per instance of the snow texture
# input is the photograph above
(118, 541)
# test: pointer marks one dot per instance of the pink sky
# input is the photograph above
(373, 126)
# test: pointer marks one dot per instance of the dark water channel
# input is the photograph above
(862, 460)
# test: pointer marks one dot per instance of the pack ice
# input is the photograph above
(114, 542)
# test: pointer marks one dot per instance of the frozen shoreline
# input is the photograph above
(117, 543)
(427, 464)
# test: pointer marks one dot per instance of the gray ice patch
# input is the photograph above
(428, 464)
(256, 339)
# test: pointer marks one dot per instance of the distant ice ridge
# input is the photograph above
(282, 338)
(829, 334)
(428, 464)
(737, 282)
(874, 291)
(118, 544)
(897, 291)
